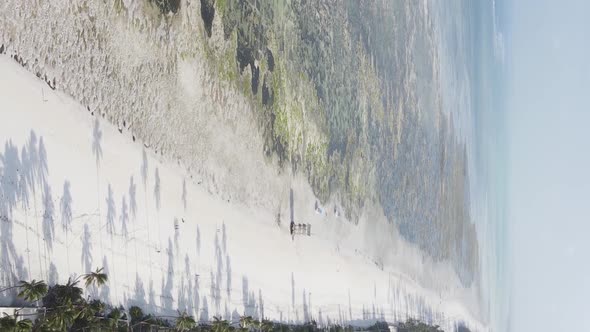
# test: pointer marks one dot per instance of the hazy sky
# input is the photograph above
(549, 166)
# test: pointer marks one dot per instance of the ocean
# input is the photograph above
(473, 72)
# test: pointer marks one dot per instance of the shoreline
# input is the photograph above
(318, 267)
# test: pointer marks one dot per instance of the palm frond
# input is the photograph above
(32, 291)
(185, 322)
(24, 325)
(97, 277)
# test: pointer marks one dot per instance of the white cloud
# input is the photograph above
(499, 48)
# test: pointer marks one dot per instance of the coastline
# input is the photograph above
(252, 234)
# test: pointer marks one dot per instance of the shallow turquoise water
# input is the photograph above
(472, 45)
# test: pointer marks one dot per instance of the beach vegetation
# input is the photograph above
(64, 308)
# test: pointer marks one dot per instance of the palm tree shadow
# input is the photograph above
(196, 297)
(349, 306)
(184, 193)
(217, 278)
(66, 206)
(111, 212)
(96, 141)
(168, 285)
(26, 183)
(105, 290)
(306, 317)
(261, 303)
(235, 316)
(292, 290)
(144, 167)
(10, 180)
(224, 238)
(152, 296)
(86, 257)
(176, 235)
(132, 198)
(139, 295)
(12, 264)
(185, 291)
(53, 275)
(204, 317)
(15, 186)
(124, 218)
(249, 300)
(213, 293)
(157, 188)
(30, 165)
(48, 218)
(42, 166)
(228, 276)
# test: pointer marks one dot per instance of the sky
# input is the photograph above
(549, 165)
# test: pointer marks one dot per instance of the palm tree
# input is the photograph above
(88, 311)
(63, 305)
(113, 319)
(7, 323)
(97, 277)
(246, 322)
(185, 322)
(266, 325)
(61, 318)
(29, 291)
(136, 314)
(10, 323)
(24, 325)
(60, 295)
(416, 325)
(220, 325)
(32, 291)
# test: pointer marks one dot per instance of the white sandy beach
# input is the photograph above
(187, 246)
